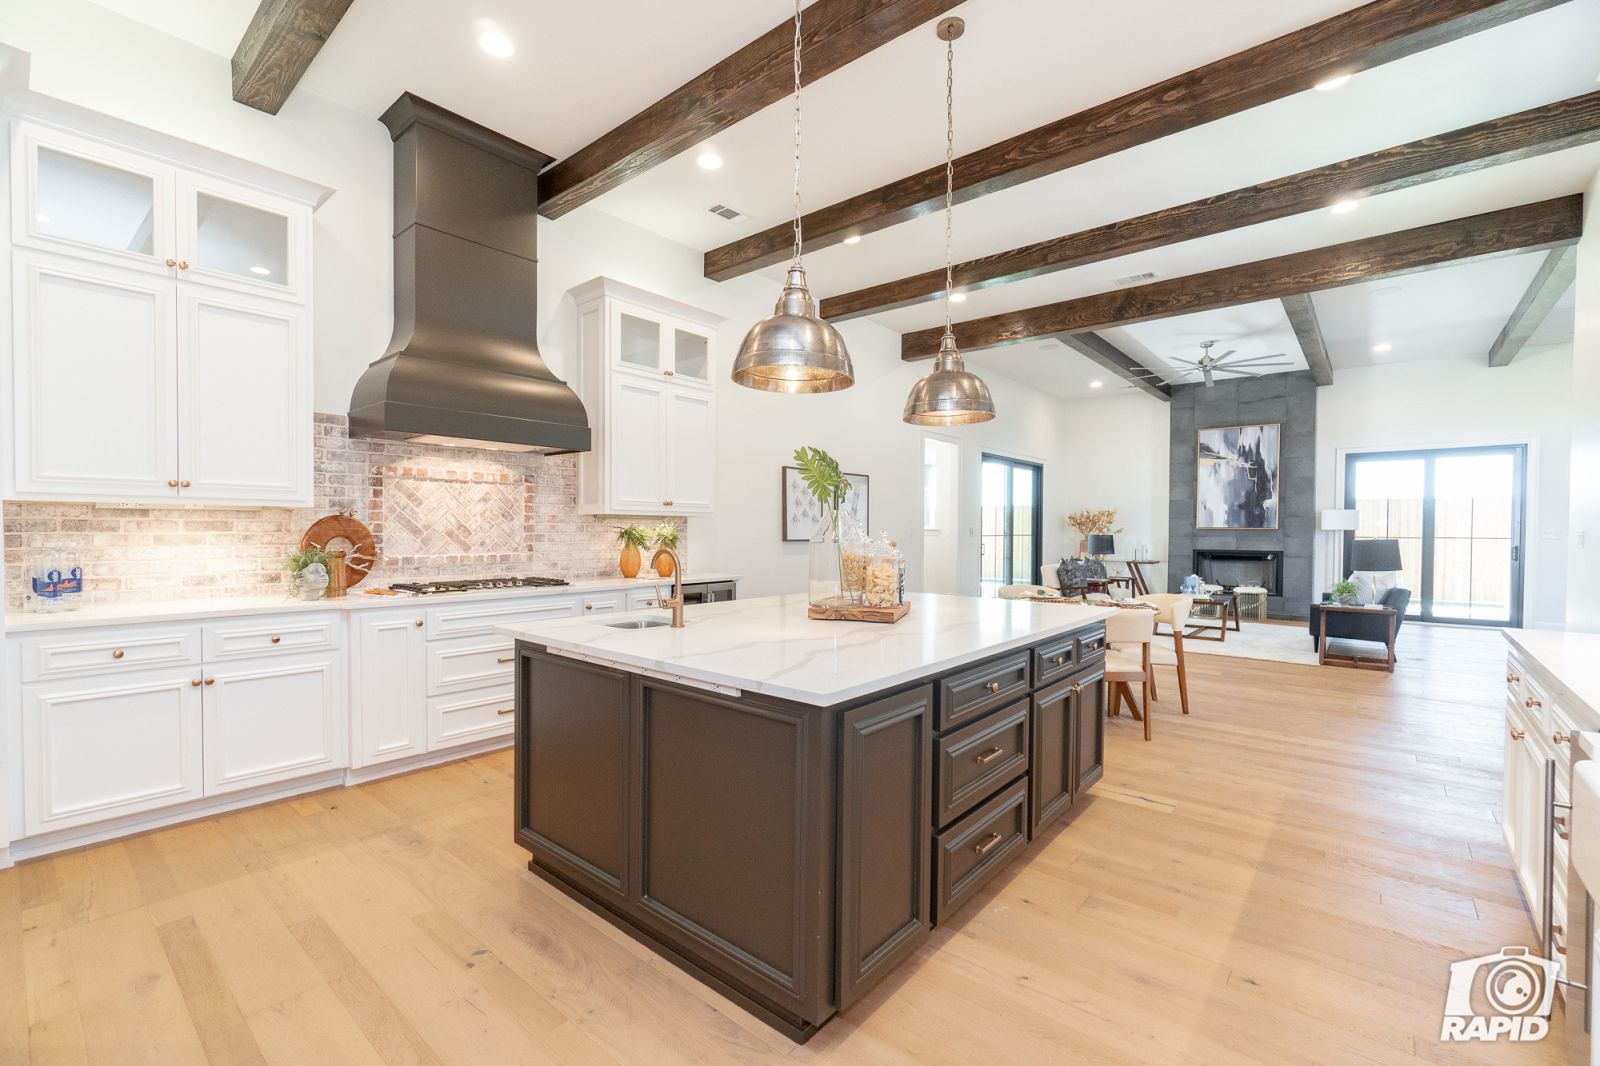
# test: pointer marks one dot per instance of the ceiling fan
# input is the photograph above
(1209, 364)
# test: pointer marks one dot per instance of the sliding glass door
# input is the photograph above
(1012, 531)
(1458, 515)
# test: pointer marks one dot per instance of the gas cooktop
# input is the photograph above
(474, 584)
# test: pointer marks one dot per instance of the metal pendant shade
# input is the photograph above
(950, 396)
(794, 350)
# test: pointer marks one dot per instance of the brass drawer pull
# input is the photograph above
(211, 681)
(1531, 703)
(1512, 679)
(507, 659)
(117, 654)
(195, 683)
(1517, 734)
(172, 483)
(508, 710)
(988, 844)
(993, 686)
(1561, 827)
(1561, 949)
(989, 756)
(1560, 737)
(1059, 660)
(172, 262)
(277, 640)
(419, 623)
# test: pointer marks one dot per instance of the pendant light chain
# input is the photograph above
(797, 234)
(949, 171)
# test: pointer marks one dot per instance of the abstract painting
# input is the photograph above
(1236, 477)
(801, 509)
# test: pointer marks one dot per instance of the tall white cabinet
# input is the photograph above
(160, 346)
(647, 373)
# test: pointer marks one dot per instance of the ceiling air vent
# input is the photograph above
(1137, 279)
(723, 211)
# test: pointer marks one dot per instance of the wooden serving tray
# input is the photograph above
(859, 614)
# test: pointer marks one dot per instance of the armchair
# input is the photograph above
(1348, 625)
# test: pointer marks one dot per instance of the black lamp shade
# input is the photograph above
(1102, 544)
(1376, 556)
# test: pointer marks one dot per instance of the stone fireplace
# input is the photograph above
(1233, 568)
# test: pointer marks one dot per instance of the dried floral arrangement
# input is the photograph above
(1094, 521)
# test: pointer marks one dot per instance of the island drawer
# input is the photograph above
(976, 760)
(1055, 660)
(973, 850)
(971, 693)
(1091, 645)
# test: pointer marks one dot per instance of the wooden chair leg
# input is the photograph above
(1183, 677)
(1133, 707)
(1148, 685)
(1112, 696)
(1149, 672)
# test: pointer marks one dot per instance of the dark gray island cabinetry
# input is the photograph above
(786, 846)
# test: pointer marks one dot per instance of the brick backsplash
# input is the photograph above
(451, 512)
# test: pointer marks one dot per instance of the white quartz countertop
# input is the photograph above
(1572, 659)
(769, 646)
(358, 599)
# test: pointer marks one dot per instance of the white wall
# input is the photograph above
(1583, 565)
(1448, 403)
(940, 561)
(1117, 448)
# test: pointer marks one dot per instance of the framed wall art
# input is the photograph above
(1237, 477)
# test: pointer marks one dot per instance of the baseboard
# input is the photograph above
(364, 774)
(6, 861)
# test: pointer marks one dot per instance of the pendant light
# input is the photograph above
(951, 395)
(794, 350)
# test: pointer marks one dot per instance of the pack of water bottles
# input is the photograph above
(53, 584)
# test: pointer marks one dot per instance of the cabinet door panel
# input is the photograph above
(638, 461)
(244, 401)
(96, 390)
(1089, 729)
(99, 750)
(238, 238)
(1055, 756)
(388, 702)
(271, 720)
(692, 452)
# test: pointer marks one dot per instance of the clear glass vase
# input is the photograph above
(838, 561)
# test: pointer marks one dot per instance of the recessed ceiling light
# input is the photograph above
(709, 160)
(263, 271)
(854, 238)
(1382, 346)
(1096, 383)
(1344, 206)
(957, 297)
(1338, 81)
(496, 44)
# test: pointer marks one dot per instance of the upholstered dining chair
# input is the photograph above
(1128, 636)
(1172, 611)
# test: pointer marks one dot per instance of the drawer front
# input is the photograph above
(1536, 703)
(973, 850)
(1054, 660)
(978, 759)
(469, 663)
(470, 716)
(971, 693)
(1515, 668)
(605, 603)
(641, 599)
(270, 636)
(476, 620)
(1091, 645)
(106, 651)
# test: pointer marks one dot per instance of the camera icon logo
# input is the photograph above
(1514, 989)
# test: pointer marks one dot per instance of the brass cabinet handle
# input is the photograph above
(211, 681)
(1560, 737)
(1077, 689)
(507, 659)
(172, 262)
(588, 607)
(172, 483)
(1517, 734)
(1558, 929)
(1060, 660)
(183, 484)
(668, 373)
(988, 844)
(277, 640)
(117, 654)
(989, 756)
(1531, 703)
(183, 264)
(195, 683)
(419, 623)
(1561, 827)
(1512, 679)
(993, 686)
(1561, 949)
(508, 710)
(666, 503)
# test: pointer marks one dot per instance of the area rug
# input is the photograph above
(1255, 640)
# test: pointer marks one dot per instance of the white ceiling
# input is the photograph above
(579, 69)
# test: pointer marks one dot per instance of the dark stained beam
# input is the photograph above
(833, 33)
(1556, 274)
(1094, 347)
(1548, 224)
(1308, 331)
(1551, 128)
(283, 38)
(1366, 36)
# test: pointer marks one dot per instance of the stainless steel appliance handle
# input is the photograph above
(1547, 889)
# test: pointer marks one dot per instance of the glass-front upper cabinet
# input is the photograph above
(232, 236)
(691, 354)
(78, 196)
(658, 343)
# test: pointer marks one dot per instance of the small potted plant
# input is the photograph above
(308, 572)
(632, 539)
(666, 535)
(1345, 593)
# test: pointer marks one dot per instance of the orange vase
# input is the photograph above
(630, 561)
(663, 564)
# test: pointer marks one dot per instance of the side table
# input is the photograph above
(1353, 660)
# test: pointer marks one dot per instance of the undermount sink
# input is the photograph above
(638, 623)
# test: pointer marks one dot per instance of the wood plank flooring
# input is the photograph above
(1283, 876)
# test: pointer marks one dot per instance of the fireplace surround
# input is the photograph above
(1231, 568)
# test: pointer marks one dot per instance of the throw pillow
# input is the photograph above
(1372, 585)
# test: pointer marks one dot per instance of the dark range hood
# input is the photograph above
(464, 367)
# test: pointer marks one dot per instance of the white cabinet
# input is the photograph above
(271, 719)
(99, 748)
(161, 345)
(605, 603)
(388, 706)
(646, 375)
(1522, 806)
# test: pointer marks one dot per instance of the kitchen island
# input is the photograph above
(786, 807)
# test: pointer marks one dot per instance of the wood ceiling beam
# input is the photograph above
(1367, 36)
(834, 33)
(1551, 128)
(1096, 348)
(1308, 331)
(1556, 274)
(1547, 224)
(283, 37)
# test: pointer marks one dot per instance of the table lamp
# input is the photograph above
(1102, 544)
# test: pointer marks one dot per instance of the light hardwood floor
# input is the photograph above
(1284, 876)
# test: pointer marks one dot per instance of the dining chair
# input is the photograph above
(1128, 636)
(1172, 611)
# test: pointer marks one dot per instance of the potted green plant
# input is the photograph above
(308, 572)
(632, 538)
(667, 534)
(1345, 593)
(826, 481)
